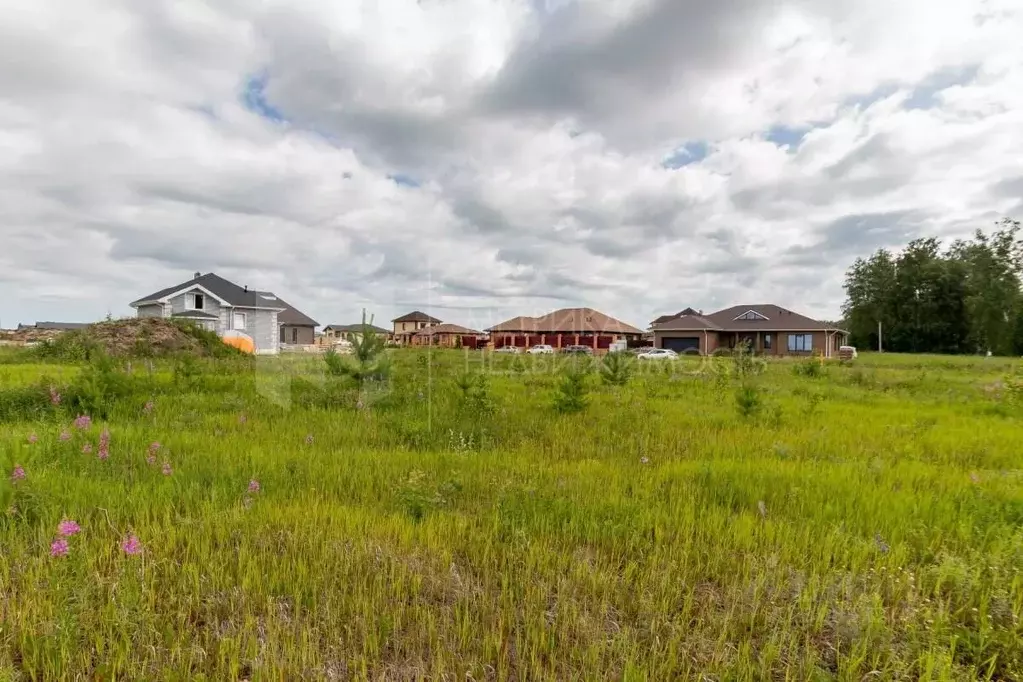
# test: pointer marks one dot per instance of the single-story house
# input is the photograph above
(565, 327)
(448, 335)
(333, 333)
(216, 304)
(767, 329)
(406, 326)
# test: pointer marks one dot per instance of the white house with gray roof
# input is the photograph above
(216, 304)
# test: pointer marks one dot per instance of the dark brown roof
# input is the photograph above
(448, 329)
(687, 323)
(770, 318)
(355, 328)
(416, 316)
(664, 318)
(567, 321)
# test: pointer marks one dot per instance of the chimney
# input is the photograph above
(198, 275)
(246, 288)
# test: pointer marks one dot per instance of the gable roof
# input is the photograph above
(567, 321)
(233, 295)
(687, 323)
(355, 328)
(664, 318)
(416, 316)
(448, 328)
(771, 318)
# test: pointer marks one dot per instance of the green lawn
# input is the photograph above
(863, 524)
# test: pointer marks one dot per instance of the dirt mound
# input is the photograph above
(137, 337)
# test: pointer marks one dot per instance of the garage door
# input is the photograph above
(682, 344)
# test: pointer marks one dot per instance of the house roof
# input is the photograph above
(448, 329)
(195, 314)
(567, 321)
(664, 318)
(416, 316)
(687, 323)
(770, 317)
(355, 328)
(234, 295)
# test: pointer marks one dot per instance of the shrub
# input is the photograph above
(616, 369)
(571, 394)
(810, 368)
(748, 401)
(366, 366)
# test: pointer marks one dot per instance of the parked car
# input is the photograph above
(541, 349)
(658, 354)
(506, 349)
(582, 350)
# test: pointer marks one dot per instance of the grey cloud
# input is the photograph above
(856, 235)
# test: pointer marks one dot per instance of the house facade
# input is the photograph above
(765, 329)
(221, 306)
(448, 336)
(565, 327)
(406, 326)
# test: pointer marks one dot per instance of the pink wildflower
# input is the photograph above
(54, 396)
(18, 474)
(167, 471)
(83, 421)
(67, 528)
(148, 407)
(87, 449)
(32, 438)
(104, 451)
(65, 435)
(309, 439)
(154, 447)
(59, 547)
(104, 438)
(132, 546)
(253, 486)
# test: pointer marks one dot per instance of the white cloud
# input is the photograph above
(135, 152)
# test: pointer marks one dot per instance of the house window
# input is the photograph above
(767, 342)
(197, 301)
(800, 343)
(239, 321)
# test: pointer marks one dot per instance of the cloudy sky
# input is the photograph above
(480, 159)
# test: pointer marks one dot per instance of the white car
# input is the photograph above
(658, 354)
(506, 349)
(541, 349)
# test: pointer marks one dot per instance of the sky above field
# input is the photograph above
(481, 159)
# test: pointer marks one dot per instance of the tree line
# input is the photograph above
(962, 299)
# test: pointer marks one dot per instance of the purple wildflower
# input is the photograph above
(65, 435)
(59, 547)
(32, 438)
(54, 396)
(67, 528)
(253, 486)
(167, 471)
(87, 449)
(104, 451)
(18, 474)
(132, 546)
(83, 421)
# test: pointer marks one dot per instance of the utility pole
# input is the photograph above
(880, 347)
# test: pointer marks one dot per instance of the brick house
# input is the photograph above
(768, 329)
(565, 327)
(406, 326)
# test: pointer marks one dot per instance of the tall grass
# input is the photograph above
(865, 522)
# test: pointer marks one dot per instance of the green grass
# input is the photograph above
(865, 524)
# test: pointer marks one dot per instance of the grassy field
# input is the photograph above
(705, 521)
